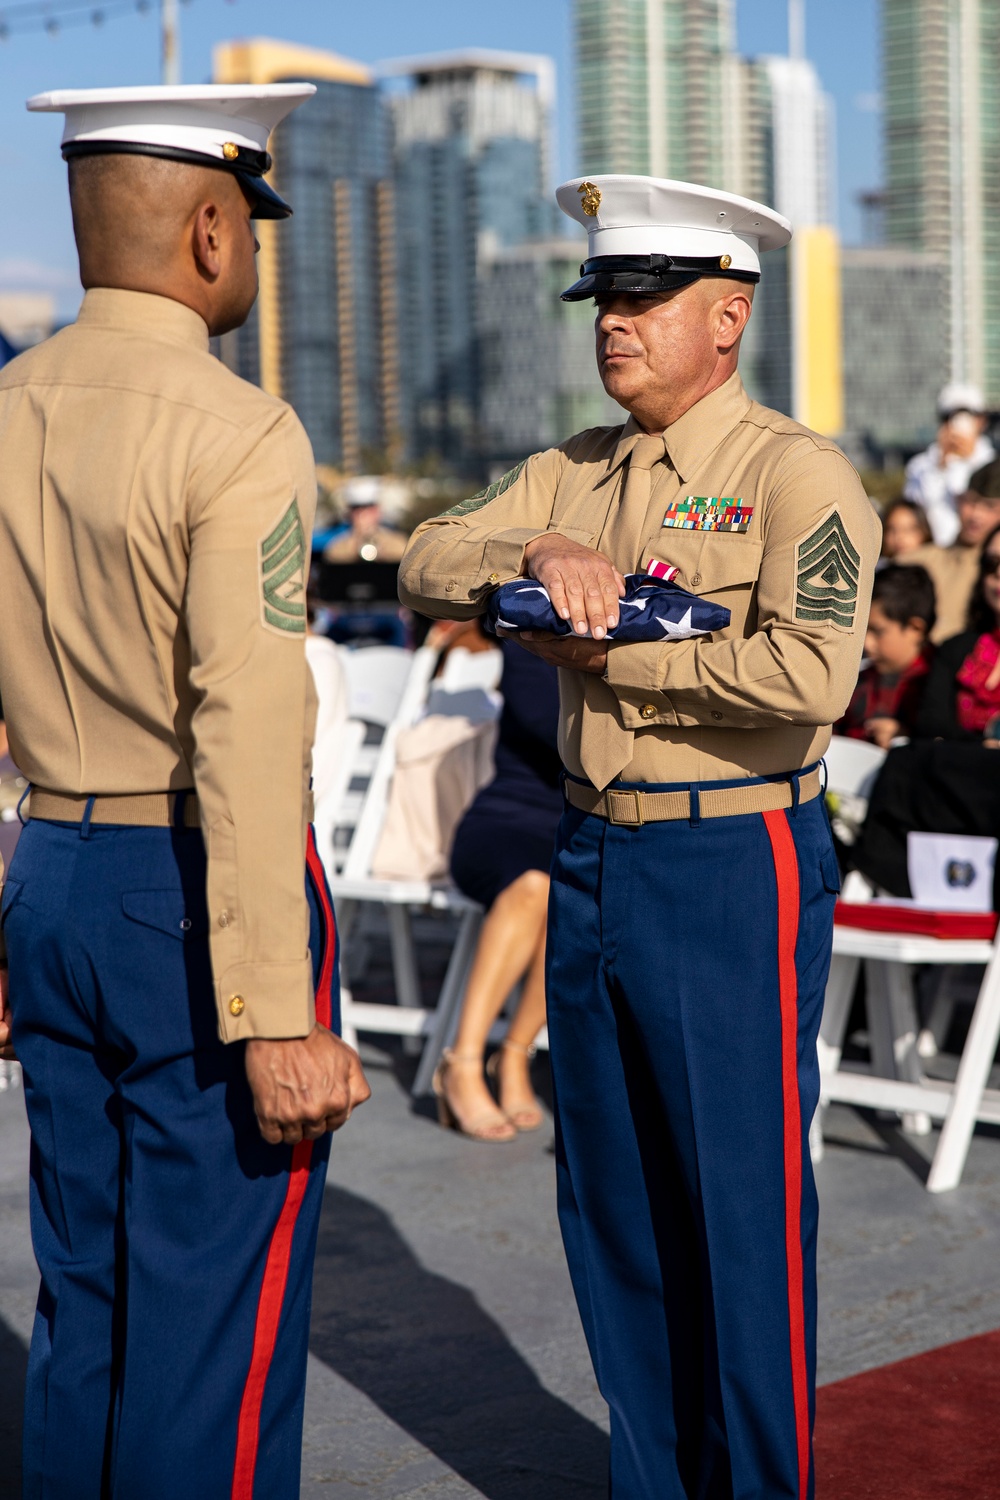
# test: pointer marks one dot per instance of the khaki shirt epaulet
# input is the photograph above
(797, 581)
(152, 634)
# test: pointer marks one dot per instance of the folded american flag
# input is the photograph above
(653, 609)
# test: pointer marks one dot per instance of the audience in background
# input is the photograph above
(955, 569)
(501, 857)
(962, 697)
(904, 528)
(898, 651)
(936, 477)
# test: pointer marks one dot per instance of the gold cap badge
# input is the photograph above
(725, 261)
(590, 198)
(230, 151)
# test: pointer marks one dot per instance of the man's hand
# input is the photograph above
(583, 585)
(304, 1086)
(6, 1049)
(565, 650)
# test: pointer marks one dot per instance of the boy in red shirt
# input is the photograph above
(898, 652)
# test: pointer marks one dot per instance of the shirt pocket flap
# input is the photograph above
(166, 911)
(711, 562)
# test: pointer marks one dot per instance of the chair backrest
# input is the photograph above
(852, 765)
(377, 677)
(471, 669)
(375, 794)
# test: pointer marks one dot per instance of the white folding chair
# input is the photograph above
(896, 1080)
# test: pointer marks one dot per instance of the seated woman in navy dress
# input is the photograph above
(501, 857)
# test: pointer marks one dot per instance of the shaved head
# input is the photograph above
(145, 223)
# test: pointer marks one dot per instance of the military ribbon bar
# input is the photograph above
(708, 513)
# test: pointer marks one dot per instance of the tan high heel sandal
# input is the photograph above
(494, 1131)
(530, 1118)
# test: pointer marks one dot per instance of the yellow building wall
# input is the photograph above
(263, 60)
(817, 349)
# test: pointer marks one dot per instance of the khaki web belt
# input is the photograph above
(633, 808)
(140, 809)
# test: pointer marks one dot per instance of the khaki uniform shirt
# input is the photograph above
(155, 515)
(754, 699)
(389, 547)
(954, 571)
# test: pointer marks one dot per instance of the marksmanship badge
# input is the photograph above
(827, 568)
(283, 574)
(590, 198)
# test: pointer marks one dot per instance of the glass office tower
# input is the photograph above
(323, 334)
(471, 147)
(941, 88)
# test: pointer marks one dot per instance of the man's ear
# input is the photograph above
(206, 240)
(733, 316)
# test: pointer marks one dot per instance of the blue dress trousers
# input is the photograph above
(687, 963)
(175, 1245)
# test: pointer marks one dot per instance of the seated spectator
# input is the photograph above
(947, 779)
(501, 858)
(962, 700)
(939, 475)
(905, 527)
(955, 569)
(886, 700)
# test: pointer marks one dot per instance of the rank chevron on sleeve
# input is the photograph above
(476, 502)
(283, 574)
(827, 570)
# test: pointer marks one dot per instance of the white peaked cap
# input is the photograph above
(700, 231)
(221, 125)
(959, 396)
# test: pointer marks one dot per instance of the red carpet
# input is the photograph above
(927, 1428)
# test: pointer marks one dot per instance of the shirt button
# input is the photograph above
(716, 714)
(494, 579)
(647, 711)
(237, 1005)
(696, 579)
(223, 919)
(450, 588)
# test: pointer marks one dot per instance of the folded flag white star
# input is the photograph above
(653, 609)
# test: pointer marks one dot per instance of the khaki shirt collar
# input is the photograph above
(695, 435)
(143, 312)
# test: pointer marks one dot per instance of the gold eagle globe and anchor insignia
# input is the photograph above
(590, 198)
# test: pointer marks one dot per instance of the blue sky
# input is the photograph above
(36, 245)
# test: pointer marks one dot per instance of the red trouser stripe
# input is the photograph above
(279, 1251)
(324, 989)
(786, 870)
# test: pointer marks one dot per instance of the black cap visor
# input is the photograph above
(248, 168)
(646, 275)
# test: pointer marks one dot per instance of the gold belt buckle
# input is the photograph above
(626, 822)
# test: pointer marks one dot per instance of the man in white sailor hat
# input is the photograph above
(693, 883)
(939, 476)
(172, 983)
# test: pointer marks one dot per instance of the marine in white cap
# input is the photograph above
(694, 878)
(173, 990)
(938, 477)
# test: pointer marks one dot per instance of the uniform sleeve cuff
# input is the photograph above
(271, 1001)
(503, 555)
(635, 672)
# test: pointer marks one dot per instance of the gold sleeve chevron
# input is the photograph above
(827, 571)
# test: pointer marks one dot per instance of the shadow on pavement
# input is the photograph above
(13, 1364)
(426, 1353)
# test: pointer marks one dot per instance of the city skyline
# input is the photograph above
(36, 251)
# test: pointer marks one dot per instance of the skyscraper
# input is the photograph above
(323, 334)
(942, 135)
(471, 150)
(659, 90)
